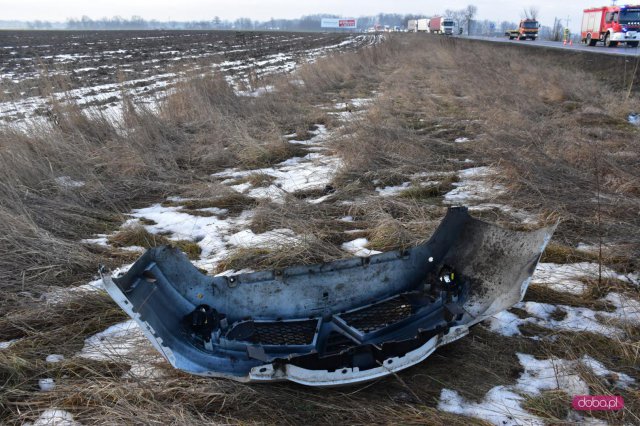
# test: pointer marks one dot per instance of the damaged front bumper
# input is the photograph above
(337, 323)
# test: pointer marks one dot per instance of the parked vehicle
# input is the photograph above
(528, 29)
(412, 25)
(441, 25)
(611, 25)
(423, 25)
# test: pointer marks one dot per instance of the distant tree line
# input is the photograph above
(464, 19)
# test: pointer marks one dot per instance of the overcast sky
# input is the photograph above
(187, 10)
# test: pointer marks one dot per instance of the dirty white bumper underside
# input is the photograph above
(343, 322)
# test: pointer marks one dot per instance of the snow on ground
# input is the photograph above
(474, 185)
(359, 248)
(313, 171)
(389, 191)
(60, 294)
(210, 233)
(503, 404)
(500, 406)
(476, 191)
(46, 385)
(566, 277)
(569, 318)
(53, 358)
(106, 99)
(123, 342)
(8, 343)
(247, 239)
(54, 417)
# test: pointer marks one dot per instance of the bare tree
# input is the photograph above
(469, 13)
(531, 12)
(557, 30)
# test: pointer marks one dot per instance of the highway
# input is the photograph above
(619, 50)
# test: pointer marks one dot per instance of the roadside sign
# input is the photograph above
(339, 23)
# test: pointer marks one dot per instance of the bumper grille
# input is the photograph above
(380, 315)
(275, 333)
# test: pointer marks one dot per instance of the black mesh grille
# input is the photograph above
(380, 315)
(337, 342)
(275, 333)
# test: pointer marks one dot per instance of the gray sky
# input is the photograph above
(187, 10)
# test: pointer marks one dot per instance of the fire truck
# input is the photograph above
(528, 28)
(611, 25)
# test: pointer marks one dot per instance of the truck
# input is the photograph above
(423, 25)
(611, 25)
(441, 25)
(528, 29)
(412, 25)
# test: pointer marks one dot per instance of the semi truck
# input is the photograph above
(528, 29)
(611, 25)
(423, 25)
(441, 25)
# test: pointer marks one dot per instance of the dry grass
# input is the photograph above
(553, 405)
(229, 200)
(138, 236)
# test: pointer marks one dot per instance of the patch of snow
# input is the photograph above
(462, 140)
(548, 374)
(7, 344)
(258, 92)
(565, 277)
(505, 323)
(242, 188)
(627, 309)
(503, 404)
(100, 240)
(358, 102)
(67, 182)
(208, 232)
(53, 358)
(55, 417)
(634, 119)
(389, 191)
(123, 342)
(500, 406)
(64, 294)
(358, 248)
(589, 248)
(320, 199)
(134, 249)
(116, 341)
(474, 185)
(576, 319)
(278, 237)
(347, 219)
(579, 319)
(622, 381)
(46, 385)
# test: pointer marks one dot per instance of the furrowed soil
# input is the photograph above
(359, 150)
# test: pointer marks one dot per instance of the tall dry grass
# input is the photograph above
(66, 180)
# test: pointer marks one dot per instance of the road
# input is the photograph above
(620, 50)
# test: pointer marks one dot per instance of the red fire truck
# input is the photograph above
(611, 25)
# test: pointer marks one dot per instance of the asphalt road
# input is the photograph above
(619, 50)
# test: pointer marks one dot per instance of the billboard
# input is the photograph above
(339, 23)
